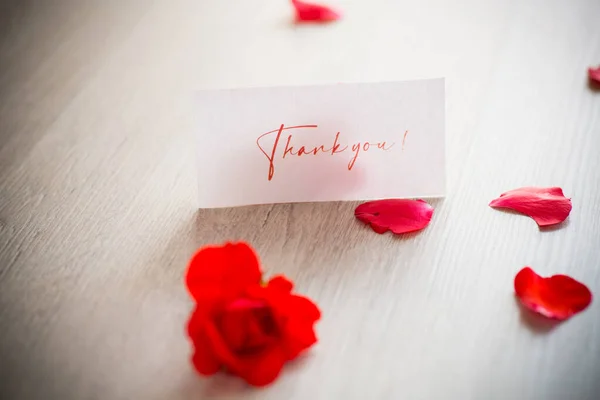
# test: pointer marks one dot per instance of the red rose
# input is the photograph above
(249, 328)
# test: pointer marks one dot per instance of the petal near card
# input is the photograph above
(354, 141)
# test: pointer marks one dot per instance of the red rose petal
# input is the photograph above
(396, 215)
(558, 297)
(263, 369)
(594, 74)
(219, 348)
(241, 323)
(309, 12)
(304, 308)
(280, 282)
(203, 358)
(222, 272)
(258, 369)
(203, 363)
(302, 314)
(296, 315)
(547, 206)
(299, 337)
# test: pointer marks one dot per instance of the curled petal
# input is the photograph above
(396, 215)
(558, 297)
(222, 272)
(309, 12)
(547, 206)
(594, 74)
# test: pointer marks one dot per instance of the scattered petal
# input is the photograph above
(547, 206)
(558, 297)
(594, 74)
(309, 12)
(396, 215)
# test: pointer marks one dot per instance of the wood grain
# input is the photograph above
(98, 215)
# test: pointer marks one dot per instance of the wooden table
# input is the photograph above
(98, 213)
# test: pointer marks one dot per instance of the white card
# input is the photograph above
(359, 141)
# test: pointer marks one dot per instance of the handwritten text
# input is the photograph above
(278, 151)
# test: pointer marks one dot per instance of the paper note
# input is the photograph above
(355, 141)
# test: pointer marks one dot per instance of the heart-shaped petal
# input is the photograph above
(594, 74)
(396, 215)
(547, 206)
(310, 12)
(558, 297)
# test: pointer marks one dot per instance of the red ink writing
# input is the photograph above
(271, 158)
(289, 151)
(404, 139)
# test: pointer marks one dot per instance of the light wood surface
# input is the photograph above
(98, 214)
